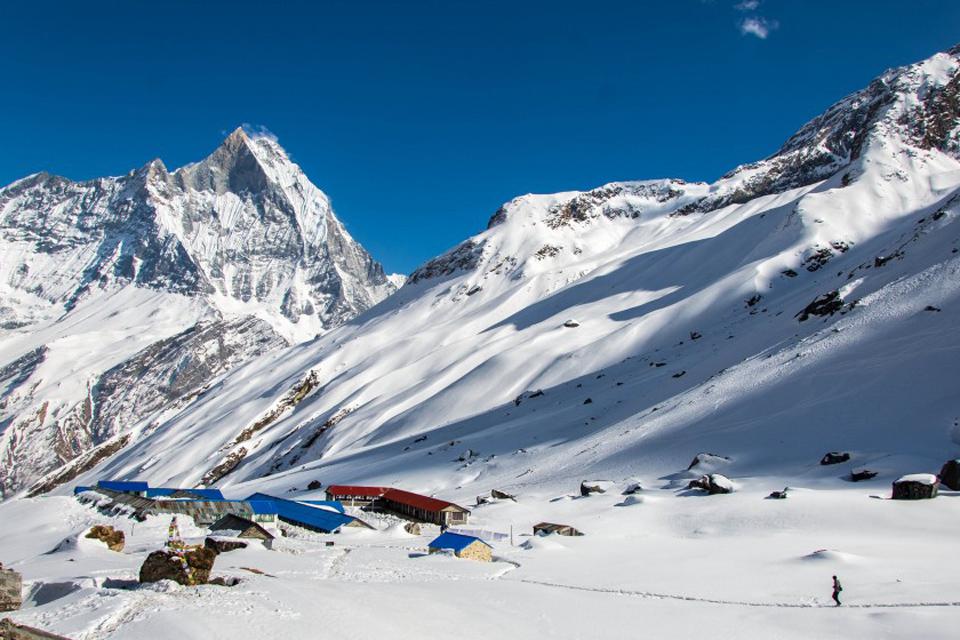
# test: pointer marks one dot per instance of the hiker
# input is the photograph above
(836, 590)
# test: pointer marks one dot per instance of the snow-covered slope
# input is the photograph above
(803, 304)
(227, 258)
(657, 312)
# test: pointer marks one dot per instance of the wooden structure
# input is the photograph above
(11, 590)
(546, 528)
(10, 630)
(916, 486)
(402, 503)
(462, 546)
(236, 527)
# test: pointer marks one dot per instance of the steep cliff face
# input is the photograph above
(113, 290)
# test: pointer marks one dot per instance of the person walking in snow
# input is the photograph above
(836, 590)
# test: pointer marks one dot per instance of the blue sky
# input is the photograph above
(420, 118)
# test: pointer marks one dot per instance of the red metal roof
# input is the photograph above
(360, 492)
(394, 495)
(418, 501)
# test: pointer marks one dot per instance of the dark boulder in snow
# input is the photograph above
(708, 460)
(224, 545)
(193, 568)
(834, 457)
(314, 485)
(950, 474)
(712, 483)
(571, 324)
(917, 486)
(527, 395)
(779, 495)
(862, 474)
(632, 488)
(588, 487)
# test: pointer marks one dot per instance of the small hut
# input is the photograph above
(950, 475)
(462, 546)
(546, 528)
(233, 526)
(916, 486)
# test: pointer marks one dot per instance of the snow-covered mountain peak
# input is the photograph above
(241, 241)
(233, 167)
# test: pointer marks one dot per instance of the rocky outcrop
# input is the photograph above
(113, 538)
(464, 257)
(713, 483)
(166, 565)
(834, 457)
(589, 487)
(950, 474)
(223, 545)
(709, 460)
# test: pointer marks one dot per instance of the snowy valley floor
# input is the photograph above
(672, 565)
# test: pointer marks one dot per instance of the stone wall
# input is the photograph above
(11, 590)
(477, 551)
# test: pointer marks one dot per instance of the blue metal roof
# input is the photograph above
(332, 504)
(159, 492)
(456, 541)
(263, 507)
(205, 494)
(122, 485)
(304, 515)
(79, 489)
(261, 496)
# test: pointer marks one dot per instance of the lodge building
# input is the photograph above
(403, 503)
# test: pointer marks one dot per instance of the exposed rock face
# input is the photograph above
(155, 283)
(164, 565)
(464, 257)
(113, 538)
(165, 376)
